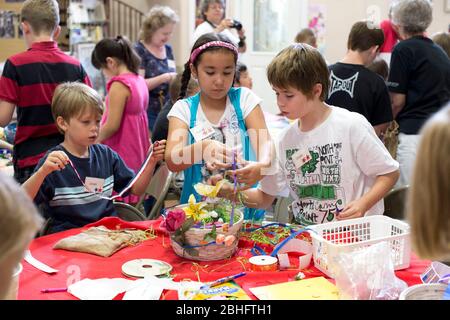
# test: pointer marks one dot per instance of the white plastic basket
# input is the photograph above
(333, 238)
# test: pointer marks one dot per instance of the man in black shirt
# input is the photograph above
(419, 79)
(356, 88)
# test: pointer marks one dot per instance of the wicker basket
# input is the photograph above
(210, 252)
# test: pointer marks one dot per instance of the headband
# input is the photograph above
(207, 45)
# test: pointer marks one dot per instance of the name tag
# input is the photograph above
(94, 184)
(171, 65)
(202, 132)
(301, 157)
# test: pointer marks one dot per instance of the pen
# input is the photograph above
(50, 290)
(222, 280)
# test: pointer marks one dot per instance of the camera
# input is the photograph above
(237, 25)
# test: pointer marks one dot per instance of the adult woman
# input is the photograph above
(213, 16)
(419, 78)
(157, 60)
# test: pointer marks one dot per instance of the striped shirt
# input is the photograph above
(28, 81)
(68, 202)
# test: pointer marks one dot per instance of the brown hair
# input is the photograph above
(306, 36)
(428, 200)
(19, 218)
(157, 18)
(42, 15)
(442, 39)
(364, 36)
(380, 67)
(302, 67)
(74, 98)
(205, 6)
(175, 85)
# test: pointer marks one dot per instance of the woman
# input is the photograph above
(157, 60)
(213, 15)
(419, 78)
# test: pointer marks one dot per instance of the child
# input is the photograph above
(330, 159)
(19, 222)
(124, 125)
(380, 67)
(307, 36)
(242, 78)
(225, 113)
(429, 204)
(356, 88)
(28, 81)
(60, 187)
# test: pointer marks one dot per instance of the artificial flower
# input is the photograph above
(208, 190)
(194, 210)
(229, 240)
(220, 238)
(174, 220)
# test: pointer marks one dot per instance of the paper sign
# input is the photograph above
(301, 157)
(94, 184)
(171, 64)
(202, 132)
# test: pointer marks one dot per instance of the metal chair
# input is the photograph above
(157, 188)
(128, 212)
(394, 202)
(281, 213)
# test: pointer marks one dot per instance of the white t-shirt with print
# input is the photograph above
(205, 28)
(227, 129)
(346, 157)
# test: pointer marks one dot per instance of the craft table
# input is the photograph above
(74, 266)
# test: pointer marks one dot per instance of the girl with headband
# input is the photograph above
(205, 130)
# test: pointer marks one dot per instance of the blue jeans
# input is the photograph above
(152, 115)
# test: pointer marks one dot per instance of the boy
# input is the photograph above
(59, 187)
(28, 81)
(330, 159)
(355, 87)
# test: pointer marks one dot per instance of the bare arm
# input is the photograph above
(381, 187)
(118, 95)
(6, 112)
(380, 129)
(398, 102)
(154, 82)
(253, 198)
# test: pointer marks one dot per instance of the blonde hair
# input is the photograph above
(71, 99)
(442, 39)
(19, 218)
(299, 66)
(42, 15)
(158, 17)
(428, 208)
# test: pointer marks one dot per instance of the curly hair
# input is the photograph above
(157, 17)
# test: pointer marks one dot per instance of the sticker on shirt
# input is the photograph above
(301, 157)
(94, 184)
(202, 132)
(171, 65)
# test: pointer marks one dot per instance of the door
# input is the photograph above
(270, 26)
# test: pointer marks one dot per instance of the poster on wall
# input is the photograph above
(316, 22)
(7, 24)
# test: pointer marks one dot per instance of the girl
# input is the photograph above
(221, 112)
(158, 63)
(124, 125)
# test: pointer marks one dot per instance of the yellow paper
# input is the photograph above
(309, 289)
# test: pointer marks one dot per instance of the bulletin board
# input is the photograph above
(10, 42)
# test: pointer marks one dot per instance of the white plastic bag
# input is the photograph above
(368, 274)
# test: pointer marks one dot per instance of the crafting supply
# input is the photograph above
(295, 245)
(437, 272)
(51, 290)
(139, 268)
(233, 203)
(263, 263)
(38, 264)
(222, 280)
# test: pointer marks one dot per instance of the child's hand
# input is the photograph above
(251, 173)
(355, 209)
(226, 191)
(217, 155)
(56, 160)
(159, 147)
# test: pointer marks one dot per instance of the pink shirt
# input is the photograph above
(132, 140)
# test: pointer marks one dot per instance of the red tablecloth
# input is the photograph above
(74, 266)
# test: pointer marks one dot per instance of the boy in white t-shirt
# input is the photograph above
(330, 160)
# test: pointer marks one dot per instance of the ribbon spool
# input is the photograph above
(263, 263)
(140, 268)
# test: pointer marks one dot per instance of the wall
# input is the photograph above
(13, 45)
(340, 16)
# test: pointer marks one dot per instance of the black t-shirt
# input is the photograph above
(420, 70)
(161, 126)
(356, 88)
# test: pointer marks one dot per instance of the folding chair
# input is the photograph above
(281, 213)
(395, 201)
(128, 212)
(157, 188)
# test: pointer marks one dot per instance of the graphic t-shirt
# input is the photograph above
(345, 156)
(358, 89)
